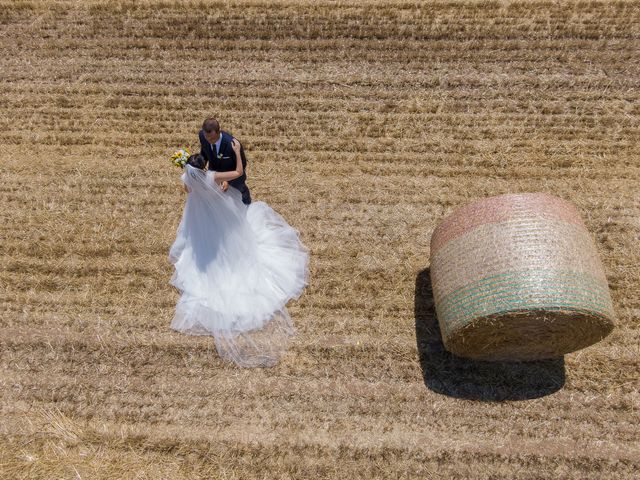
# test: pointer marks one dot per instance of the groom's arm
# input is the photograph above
(244, 157)
(202, 141)
(242, 154)
(204, 151)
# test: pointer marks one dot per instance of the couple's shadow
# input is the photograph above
(459, 377)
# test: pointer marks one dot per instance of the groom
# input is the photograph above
(215, 147)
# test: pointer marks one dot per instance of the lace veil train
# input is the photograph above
(236, 267)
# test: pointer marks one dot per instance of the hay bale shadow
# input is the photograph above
(459, 377)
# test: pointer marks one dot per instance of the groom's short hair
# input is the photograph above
(211, 125)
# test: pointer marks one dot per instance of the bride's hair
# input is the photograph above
(196, 161)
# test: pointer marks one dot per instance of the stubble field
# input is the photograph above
(364, 126)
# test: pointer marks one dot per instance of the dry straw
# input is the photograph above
(518, 277)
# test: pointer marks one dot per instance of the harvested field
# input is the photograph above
(364, 126)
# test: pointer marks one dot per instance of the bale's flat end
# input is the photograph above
(527, 335)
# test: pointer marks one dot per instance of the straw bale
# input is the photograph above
(518, 277)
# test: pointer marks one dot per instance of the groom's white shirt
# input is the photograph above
(217, 145)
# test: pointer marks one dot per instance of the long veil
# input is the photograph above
(236, 268)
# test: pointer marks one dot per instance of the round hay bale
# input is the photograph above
(518, 277)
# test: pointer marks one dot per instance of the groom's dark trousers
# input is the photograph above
(225, 161)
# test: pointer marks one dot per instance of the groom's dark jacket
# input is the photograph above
(225, 161)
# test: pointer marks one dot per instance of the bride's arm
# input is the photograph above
(184, 185)
(220, 176)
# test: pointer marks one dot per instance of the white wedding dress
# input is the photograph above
(236, 267)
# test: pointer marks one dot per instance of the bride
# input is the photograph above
(236, 267)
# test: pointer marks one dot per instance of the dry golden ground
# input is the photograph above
(364, 126)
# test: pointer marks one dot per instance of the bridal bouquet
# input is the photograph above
(179, 158)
